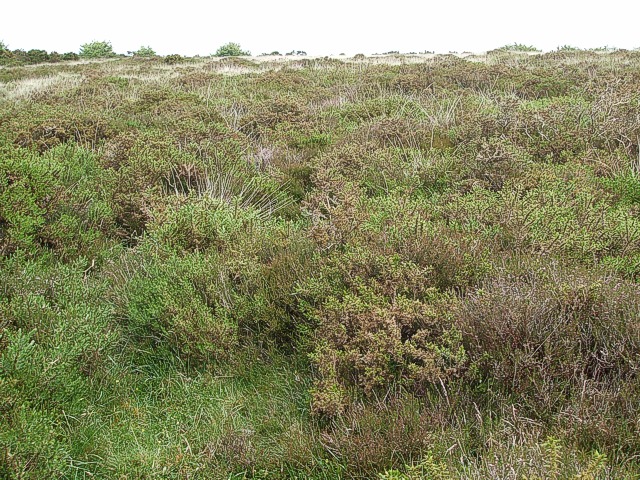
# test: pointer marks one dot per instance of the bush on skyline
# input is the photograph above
(145, 52)
(97, 49)
(231, 49)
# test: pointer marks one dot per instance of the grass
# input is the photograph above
(387, 267)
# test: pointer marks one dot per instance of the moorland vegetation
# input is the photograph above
(387, 268)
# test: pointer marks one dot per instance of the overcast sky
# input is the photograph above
(190, 27)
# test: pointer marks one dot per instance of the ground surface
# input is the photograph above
(395, 267)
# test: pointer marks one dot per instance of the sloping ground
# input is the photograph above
(412, 267)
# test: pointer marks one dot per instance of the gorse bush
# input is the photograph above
(97, 49)
(173, 59)
(145, 52)
(231, 50)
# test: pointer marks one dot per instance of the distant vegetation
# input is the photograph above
(173, 59)
(145, 52)
(21, 57)
(97, 49)
(393, 268)
(231, 50)
(519, 47)
(568, 48)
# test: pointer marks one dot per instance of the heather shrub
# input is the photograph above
(496, 162)
(379, 324)
(271, 114)
(162, 309)
(541, 83)
(41, 210)
(53, 313)
(238, 62)
(547, 336)
(380, 435)
(52, 131)
(554, 130)
(83, 219)
(376, 346)
(252, 278)
(25, 185)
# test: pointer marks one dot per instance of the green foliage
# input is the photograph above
(40, 211)
(145, 52)
(429, 468)
(319, 268)
(97, 49)
(173, 59)
(519, 47)
(31, 57)
(568, 48)
(161, 306)
(300, 53)
(231, 50)
(70, 56)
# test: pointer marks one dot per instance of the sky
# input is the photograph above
(331, 27)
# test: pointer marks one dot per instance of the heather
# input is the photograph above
(401, 266)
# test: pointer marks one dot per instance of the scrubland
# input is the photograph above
(400, 267)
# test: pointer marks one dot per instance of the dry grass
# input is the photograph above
(31, 88)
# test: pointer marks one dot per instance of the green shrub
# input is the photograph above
(97, 49)
(568, 48)
(144, 52)
(173, 59)
(39, 210)
(164, 310)
(21, 57)
(231, 50)
(38, 56)
(519, 47)
(70, 56)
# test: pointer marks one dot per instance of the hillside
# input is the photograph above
(389, 267)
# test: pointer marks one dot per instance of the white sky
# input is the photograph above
(191, 27)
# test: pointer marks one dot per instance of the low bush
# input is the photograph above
(519, 47)
(173, 59)
(231, 50)
(145, 52)
(97, 49)
(559, 341)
